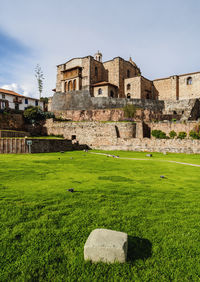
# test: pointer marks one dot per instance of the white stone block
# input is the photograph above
(106, 245)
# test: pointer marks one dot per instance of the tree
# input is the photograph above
(40, 77)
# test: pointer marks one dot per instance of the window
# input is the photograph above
(26, 101)
(189, 81)
(100, 91)
(3, 96)
(73, 137)
(96, 71)
(128, 86)
(74, 85)
(128, 73)
(147, 96)
(36, 102)
(3, 105)
(70, 86)
(174, 113)
(128, 95)
(111, 94)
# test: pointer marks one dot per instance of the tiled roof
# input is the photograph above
(102, 83)
(13, 93)
(5, 91)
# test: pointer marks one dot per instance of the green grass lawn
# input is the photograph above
(43, 227)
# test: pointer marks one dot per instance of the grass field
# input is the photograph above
(43, 227)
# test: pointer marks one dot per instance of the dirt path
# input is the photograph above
(150, 159)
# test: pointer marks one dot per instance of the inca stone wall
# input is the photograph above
(124, 135)
(19, 146)
(10, 121)
(186, 146)
(176, 126)
(83, 101)
(91, 133)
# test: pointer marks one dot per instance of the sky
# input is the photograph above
(162, 37)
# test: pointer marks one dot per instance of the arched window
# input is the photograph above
(128, 86)
(128, 73)
(189, 81)
(74, 84)
(70, 86)
(111, 94)
(96, 71)
(99, 91)
(128, 95)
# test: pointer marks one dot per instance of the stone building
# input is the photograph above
(100, 79)
(118, 78)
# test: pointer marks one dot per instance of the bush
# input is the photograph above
(182, 135)
(172, 134)
(194, 135)
(35, 114)
(129, 111)
(158, 134)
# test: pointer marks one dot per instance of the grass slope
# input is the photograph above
(43, 227)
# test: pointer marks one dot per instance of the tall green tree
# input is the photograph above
(40, 78)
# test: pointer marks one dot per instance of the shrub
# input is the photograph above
(194, 135)
(158, 134)
(172, 134)
(35, 114)
(182, 135)
(129, 111)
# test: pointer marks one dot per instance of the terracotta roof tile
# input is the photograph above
(103, 83)
(10, 92)
(13, 93)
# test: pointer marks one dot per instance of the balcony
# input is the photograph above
(17, 100)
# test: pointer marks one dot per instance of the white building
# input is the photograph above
(12, 100)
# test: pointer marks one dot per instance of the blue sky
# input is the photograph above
(161, 36)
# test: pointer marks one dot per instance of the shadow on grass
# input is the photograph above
(138, 248)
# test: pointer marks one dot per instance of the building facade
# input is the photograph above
(92, 75)
(119, 78)
(12, 100)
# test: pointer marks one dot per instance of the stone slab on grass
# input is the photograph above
(104, 245)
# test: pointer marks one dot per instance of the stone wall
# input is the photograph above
(125, 135)
(10, 133)
(81, 100)
(11, 121)
(13, 146)
(189, 109)
(19, 146)
(92, 133)
(153, 145)
(176, 126)
(112, 115)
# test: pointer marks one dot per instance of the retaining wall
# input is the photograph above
(153, 145)
(9, 133)
(11, 121)
(19, 146)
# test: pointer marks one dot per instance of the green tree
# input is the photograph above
(40, 77)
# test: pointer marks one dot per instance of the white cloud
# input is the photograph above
(57, 31)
